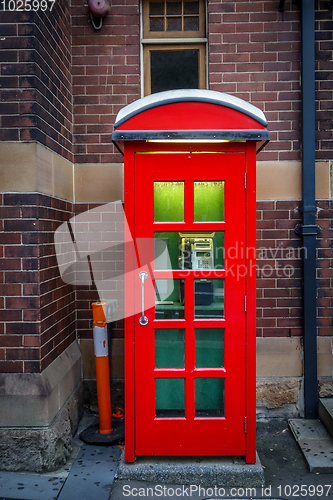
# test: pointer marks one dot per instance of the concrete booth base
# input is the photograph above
(39, 414)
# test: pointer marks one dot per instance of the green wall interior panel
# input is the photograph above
(209, 348)
(170, 348)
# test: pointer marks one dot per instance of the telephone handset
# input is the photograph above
(197, 252)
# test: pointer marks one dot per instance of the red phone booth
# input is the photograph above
(190, 205)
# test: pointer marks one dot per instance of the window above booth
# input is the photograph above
(173, 19)
(174, 45)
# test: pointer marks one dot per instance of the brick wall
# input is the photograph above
(106, 77)
(103, 266)
(254, 53)
(35, 77)
(37, 321)
(325, 268)
(324, 78)
(279, 274)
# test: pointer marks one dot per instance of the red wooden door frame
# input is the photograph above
(249, 149)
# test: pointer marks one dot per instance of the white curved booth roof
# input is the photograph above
(189, 95)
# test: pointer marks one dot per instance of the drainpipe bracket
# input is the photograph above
(307, 230)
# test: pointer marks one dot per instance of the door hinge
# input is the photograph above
(245, 303)
(245, 425)
(245, 180)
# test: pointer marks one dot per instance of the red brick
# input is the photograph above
(11, 367)
(10, 341)
(22, 354)
(31, 341)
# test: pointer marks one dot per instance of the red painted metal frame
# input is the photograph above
(249, 148)
(251, 303)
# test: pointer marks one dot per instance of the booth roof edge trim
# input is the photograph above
(217, 135)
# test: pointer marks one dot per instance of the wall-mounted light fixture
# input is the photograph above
(98, 9)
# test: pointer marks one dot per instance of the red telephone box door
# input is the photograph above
(190, 355)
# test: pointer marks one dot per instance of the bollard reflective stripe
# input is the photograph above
(100, 335)
(102, 367)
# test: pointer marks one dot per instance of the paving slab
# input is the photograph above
(29, 486)
(316, 444)
(92, 474)
(326, 413)
(204, 471)
(33, 486)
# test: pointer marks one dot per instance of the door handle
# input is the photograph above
(143, 276)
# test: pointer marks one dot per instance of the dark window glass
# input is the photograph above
(174, 23)
(191, 23)
(191, 7)
(174, 69)
(157, 24)
(174, 8)
(156, 8)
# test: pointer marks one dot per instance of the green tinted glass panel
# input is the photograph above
(170, 397)
(174, 250)
(209, 397)
(170, 348)
(169, 299)
(209, 348)
(169, 201)
(209, 201)
(209, 298)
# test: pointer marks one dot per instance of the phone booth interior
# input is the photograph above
(190, 207)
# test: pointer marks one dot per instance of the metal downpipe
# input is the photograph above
(309, 230)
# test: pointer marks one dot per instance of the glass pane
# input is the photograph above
(170, 397)
(156, 24)
(209, 348)
(169, 201)
(170, 348)
(169, 299)
(174, 69)
(174, 23)
(174, 250)
(209, 298)
(191, 7)
(156, 9)
(209, 201)
(209, 397)
(191, 23)
(161, 252)
(174, 8)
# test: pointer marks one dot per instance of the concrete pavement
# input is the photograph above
(93, 475)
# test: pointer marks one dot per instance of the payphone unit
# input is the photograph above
(197, 252)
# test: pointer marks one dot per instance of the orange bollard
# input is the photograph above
(102, 367)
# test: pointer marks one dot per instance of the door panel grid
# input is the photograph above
(209, 399)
